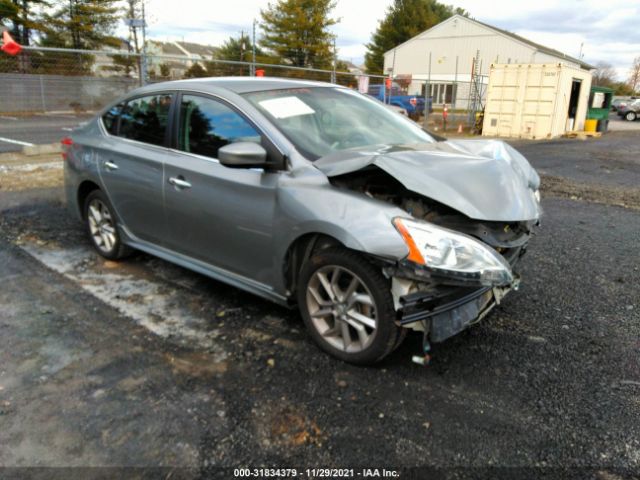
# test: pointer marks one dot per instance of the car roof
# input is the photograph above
(237, 85)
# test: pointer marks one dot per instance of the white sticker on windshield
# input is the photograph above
(286, 107)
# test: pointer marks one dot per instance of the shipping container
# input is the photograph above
(535, 100)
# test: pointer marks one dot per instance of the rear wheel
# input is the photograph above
(631, 116)
(347, 307)
(101, 227)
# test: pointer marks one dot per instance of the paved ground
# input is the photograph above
(141, 363)
(604, 170)
(15, 132)
(617, 123)
(612, 160)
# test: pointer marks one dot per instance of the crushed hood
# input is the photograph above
(483, 179)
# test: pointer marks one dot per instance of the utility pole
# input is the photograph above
(242, 45)
(253, 50)
(335, 61)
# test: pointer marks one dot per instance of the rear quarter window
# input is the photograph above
(110, 119)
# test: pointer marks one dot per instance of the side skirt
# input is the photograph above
(238, 281)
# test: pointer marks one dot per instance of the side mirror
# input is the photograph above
(243, 155)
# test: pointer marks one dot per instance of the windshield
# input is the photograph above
(321, 120)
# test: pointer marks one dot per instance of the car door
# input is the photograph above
(222, 216)
(131, 167)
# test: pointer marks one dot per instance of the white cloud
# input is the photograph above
(560, 25)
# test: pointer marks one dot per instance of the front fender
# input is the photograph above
(355, 220)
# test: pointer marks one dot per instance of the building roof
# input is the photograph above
(537, 46)
(198, 49)
(184, 49)
(168, 48)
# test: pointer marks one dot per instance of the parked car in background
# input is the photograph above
(412, 104)
(630, 111)
(310, 195)
(617, 103)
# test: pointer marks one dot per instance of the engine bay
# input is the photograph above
(376, 183)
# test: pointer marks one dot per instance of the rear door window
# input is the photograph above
(110, 119)
(145, 119)
(206, 125)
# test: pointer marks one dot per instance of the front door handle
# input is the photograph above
(110, 165)
(179, 182)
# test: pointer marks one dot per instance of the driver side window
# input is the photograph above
(206, 125)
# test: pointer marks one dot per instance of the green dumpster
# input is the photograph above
(600, 106)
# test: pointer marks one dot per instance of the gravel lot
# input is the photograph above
(144, 364)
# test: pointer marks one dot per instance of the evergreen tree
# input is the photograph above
(165, 70)
(404, 20)
(239, 49)
(297, 32)
(19, 18)
(195, 71)
(83, 24)
(125, 64)
(8, 13)
(236, 49)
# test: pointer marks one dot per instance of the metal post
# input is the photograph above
(427, 95)
(393, 73)
(42, 96)
(143, 63)
(253, 50)
(473, 89)
(454, 94)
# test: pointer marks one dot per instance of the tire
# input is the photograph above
(101, 225)
(368, 309)
(631, 116)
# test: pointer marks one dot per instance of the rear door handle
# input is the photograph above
(110, 165)
(179, 182)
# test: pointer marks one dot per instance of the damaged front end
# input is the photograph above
(451, 280)
(461, 253)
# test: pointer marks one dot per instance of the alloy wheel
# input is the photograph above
(341, 308)
(101, 226)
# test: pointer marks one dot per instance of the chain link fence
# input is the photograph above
(49, 80)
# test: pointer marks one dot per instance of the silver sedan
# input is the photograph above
(310, 195)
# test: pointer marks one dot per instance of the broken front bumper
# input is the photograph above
(442, 307)
(445, 315)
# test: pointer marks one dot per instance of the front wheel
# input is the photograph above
(347, 307)
(631, 116)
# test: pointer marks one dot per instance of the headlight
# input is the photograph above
(453, 253)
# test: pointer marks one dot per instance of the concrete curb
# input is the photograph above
(18, 158)
(46, 149)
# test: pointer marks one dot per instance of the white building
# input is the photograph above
(456, 47)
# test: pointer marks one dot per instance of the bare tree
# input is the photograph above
(604, 75)
(634, 75)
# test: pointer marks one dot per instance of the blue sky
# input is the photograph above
(609, 30)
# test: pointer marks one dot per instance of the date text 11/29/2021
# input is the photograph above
(315, 473)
